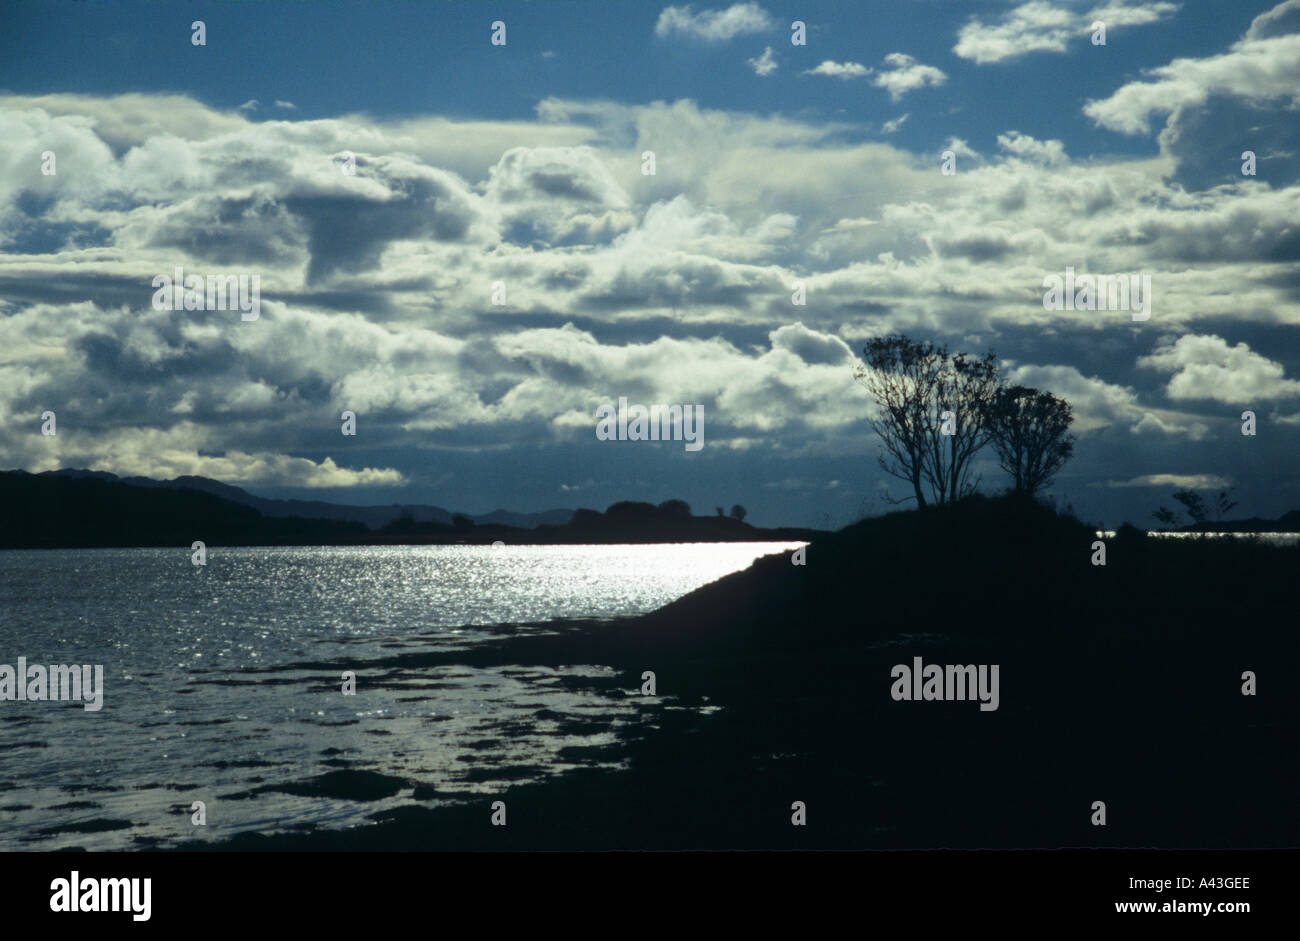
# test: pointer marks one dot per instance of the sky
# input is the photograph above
(517, 169)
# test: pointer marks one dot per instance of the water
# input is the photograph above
(1268, 539)
(223, 683)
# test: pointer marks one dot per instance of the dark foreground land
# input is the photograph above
(1119, 683)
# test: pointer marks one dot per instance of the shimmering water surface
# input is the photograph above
(1268, 539)
(223, 683)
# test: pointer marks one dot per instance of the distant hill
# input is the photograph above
(76, 509)
(372, 516)
(1286, 523)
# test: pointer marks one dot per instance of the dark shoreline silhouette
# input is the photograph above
(374, 516)
(1121, 683)
(55, 511)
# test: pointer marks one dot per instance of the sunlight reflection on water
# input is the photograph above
(223, 683)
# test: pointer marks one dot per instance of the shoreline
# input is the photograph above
(776, 686)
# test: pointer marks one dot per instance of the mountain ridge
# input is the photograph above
(374, 516)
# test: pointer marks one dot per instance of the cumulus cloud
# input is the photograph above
(1031, 27)
(1279, 21)
(713, 26)
(903, 74)
(274, 469)
(1098, 403)
(960, 148)
(376, 288)
(800, 380)
(557, 195)
(1045, 26)
(844, 70)
(123, 121)
(900, 74)
(1120, 13)
(1051, 152)
(810, 346)
(552, 173)
(167, 453)
(1263, 65)
(347, 228)
(1206, 367)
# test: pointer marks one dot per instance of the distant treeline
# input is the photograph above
(626, 521)
(41, 511)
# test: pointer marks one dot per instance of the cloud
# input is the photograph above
(1122, 13)
(1181, 481)
(1263, 65)
(810, 346)
(168, 453)
(286, 105)
(674, 287)
(250, 105)
(960, 148)
(801, 380)
(901, 74)
(1049, 153)
(348, 226)
(713, 26)
(124, 121)
(1031, 27)
(1098, 403)
(905, 74)
(1199, 138)
(577, 227)
(281, 469)
(844, 70)
(1282, 20)
(557, 196)
(551, 174)
(1042, 26)
(765, 64)
(889, 127)
(1206, 367)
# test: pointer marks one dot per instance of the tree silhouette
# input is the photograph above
(738, 513)
(970, 385)
(934, 412)
(1165, 516)
(1030, 434)
(1196, 507)
(675, 509)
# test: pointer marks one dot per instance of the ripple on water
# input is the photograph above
(223, 685)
